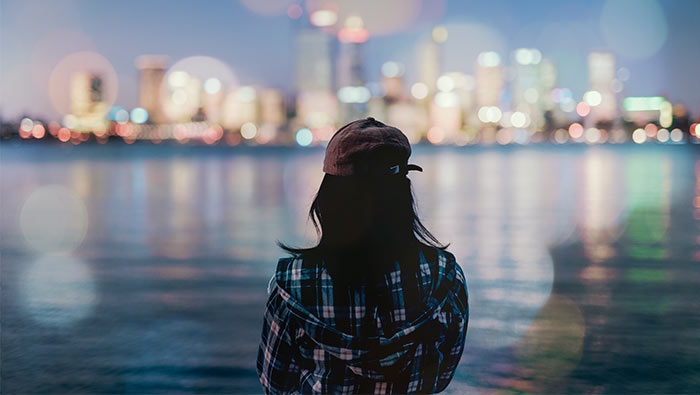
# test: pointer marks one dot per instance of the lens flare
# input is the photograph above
(53, 218)
(87, 63)
(634, 28)
(57, 290)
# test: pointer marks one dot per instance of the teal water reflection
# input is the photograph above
(143, 268)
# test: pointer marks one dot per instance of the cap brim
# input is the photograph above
(410, 167)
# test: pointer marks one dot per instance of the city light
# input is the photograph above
(526, 56)
(304, 137)
(576, 130)
(354, 94)
(446, 99)
(514, 99)
(139, 115)
(419, 90)
(639, 136)
(592, 98)
(440, 34)
(391, 69)
(323, 18)
(583, 109)
(676, 135)
(248, 130)
(518, 119)
(445, 83)
(26, 125)
(489, 59)
(212, 86)
(653, 103)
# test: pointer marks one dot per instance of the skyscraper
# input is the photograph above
(314, 60)
(316, 103)
(489, 79)
(429, 64)
(601, 98)
(526, 88)
(151, 72)
(87, 101)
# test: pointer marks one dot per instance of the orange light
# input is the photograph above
(38, 131)
(583, 109)
(436, 135)
(64, 134)
(346, 35)
(53, 128)
(575, 130)
(651, 130)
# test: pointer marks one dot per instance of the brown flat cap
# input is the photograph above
(368, 147)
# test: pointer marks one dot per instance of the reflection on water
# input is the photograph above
(143, 269)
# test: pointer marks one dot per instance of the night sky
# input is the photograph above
(664, 57)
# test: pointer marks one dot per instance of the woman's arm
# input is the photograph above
(277, 367)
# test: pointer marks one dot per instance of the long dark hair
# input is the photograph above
(365, 223)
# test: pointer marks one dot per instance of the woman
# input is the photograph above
(379, 305)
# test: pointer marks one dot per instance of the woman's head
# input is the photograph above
(365, 204)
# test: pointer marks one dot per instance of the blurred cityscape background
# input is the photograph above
(152, 152)
(466, 84)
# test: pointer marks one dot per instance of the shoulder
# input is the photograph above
(443, 263)
(296, 271)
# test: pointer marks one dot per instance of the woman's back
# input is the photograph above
(378, 305)
(403, 333)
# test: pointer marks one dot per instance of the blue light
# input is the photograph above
(304, 137)
(112, 114)
(139, 115)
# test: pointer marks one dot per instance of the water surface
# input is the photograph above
(134, 269)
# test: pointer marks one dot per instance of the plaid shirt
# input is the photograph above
(320, 338)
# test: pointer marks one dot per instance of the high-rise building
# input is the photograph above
(601, 97)
(87, 101)
(526, 88)
(151, 72)
(350, 65)
(316, 102)
(429, 64)
(489, 79)
(314, 60)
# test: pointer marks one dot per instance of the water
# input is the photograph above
(135, 269)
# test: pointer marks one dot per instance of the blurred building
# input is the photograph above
(489, 79)
(87, 101)
(316, 104)
(429, 64)
(240, 107)
(151, 72)
(392, 81)
(351, 76)
(526, 89)
(600, 97)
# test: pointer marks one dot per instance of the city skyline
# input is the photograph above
(663, 67)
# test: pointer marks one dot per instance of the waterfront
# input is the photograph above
(581, 263)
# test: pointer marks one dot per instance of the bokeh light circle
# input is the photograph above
(634, 28)
(57, 290)
(53, 219)
(553, 345)
(188, 80)
(304, 137)
(502, 310)
(88, 62)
